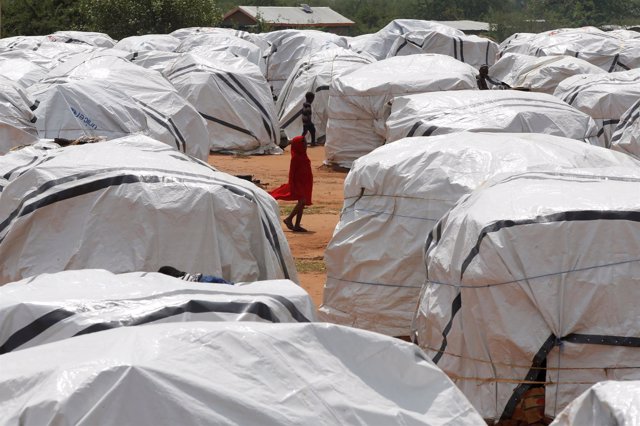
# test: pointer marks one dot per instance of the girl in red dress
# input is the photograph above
(300, 184)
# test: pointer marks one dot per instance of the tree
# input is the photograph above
(123, 18)
(38, 17)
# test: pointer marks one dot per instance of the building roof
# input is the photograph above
(319, 16)
(467, 25)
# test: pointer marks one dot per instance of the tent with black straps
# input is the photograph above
(537, 74)
(508, 111)
(86, 301)
(605, 97)
(233, 97)
(470, 49)
(394, 196)
(82, 37)
(17, 120)
(169, 117)
(379, 43)
(243, 373)
(314, 74)
(358, 101)
(220, 42)
(597, 47)
(533, 280)
(290, 46)
(156, 60)
(606, 403)
(626, 137)
(136, 204)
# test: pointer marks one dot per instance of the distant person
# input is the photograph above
(300, 184)
(307, 124)
(481, 78)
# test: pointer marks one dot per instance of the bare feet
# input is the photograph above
(289, 224)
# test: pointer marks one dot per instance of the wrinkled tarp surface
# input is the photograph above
(539, 74)
(72, 303)
(228, 374)
(533, 278)
(626, 137)
(509, 111)
(233, 97)
(17, 120)
(135, 204)
(396, 194)
(605, 97)
(358, 101)
(609, 403)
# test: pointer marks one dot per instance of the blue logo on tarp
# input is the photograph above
(84, 119)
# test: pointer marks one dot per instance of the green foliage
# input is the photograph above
(122, 18)
(38, 17)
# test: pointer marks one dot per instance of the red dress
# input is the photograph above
(300, 185)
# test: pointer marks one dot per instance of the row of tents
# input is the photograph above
(477, 216)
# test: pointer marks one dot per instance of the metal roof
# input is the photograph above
(293, 15)
(467, 25)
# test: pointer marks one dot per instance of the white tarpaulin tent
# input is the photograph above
(254, 38)
(534, 279)
(538, 74)
(605, 97)
(22, 42)
(358, 101)
(626, 137)
(156, 60)
(72, 303)
(134, 204)
(591, 44)
(609, 403)
(22, 159)
(170, 115)
(21, 70)
(225, 43)
(16, 116)
(315, 74)
(233, 97)
(379, 44)
(82, 37)
(159, 42)
(509, 111)
(395, 195)
(229, 374)
(473, 50)
(289, 46)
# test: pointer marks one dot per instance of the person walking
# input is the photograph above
(299, 186)
(307, 124)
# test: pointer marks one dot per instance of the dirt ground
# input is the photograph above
(320, 218)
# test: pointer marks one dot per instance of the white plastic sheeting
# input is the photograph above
(473, 50)
(16, 116)
(134, 204)
(315, 74)
(609, 403)
(22, 71)
(229, 373)
(626, 137)
(379, 44)
(72, 303)
(510, 111)
(358, 101)
(534, 279)
(225, 43)
(289, 46)
(538, 74)
(156, 60)
(254, 38)
(22, 42)
(235, 100)
(82, 37)
(605, 97)
(158, 42)
(591, 44)
(171, 118)
(395, 195)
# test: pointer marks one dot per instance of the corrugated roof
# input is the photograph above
(467, 25)
(294, 15)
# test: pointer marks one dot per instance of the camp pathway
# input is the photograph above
(320, 219)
